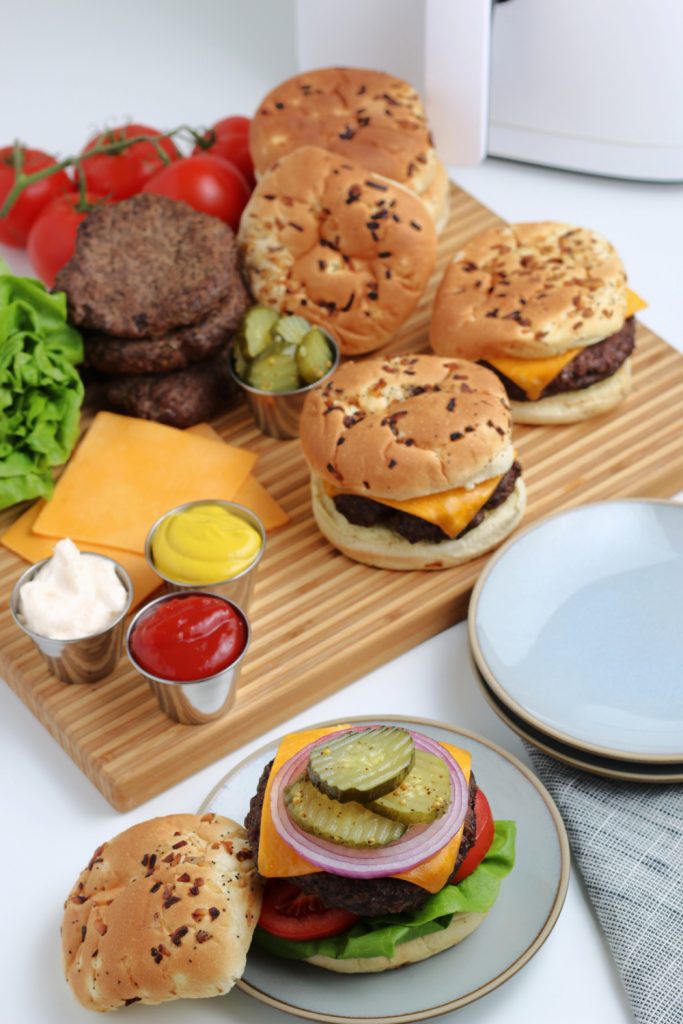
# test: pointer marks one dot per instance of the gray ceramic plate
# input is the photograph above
(605, 767)
(522, 918)
(576, 626)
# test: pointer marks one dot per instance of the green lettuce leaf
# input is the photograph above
(379, 936)
(41, 391)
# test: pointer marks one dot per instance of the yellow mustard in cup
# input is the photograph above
(204, 544)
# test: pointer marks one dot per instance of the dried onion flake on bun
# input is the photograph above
(544, 306)
(411, 460)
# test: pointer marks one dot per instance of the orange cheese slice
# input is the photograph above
(634, 303)
(451, 510)
(21, 539)
(127, 472)
(251, 493)
(533, 375)
(276, 859)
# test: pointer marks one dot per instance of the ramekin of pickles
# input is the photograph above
(276, 359)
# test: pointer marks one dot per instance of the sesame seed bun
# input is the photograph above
(411, 952)
(369, 117)
(407, 426)
(529, 291)
(385, 549)
(345, 248)
(163, 910)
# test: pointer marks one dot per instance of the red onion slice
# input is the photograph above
(416, 845)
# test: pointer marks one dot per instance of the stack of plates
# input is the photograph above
(576, 628)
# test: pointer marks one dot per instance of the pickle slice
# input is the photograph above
(291, 328)
(274, 370)
(422, 796)
(362, 765)
(255, 329)
(314, 356)
(349, 824)
(239, 362)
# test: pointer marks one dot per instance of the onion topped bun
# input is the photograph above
(165, 909)
(544, 306)
(370, 117)
(339, 245)
(411, 460)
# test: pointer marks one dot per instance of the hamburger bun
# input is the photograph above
(165, 909)
(347, 249)
(407, 427)
(575, 406)
(529, 291)
(368, 117)
(385, 549)
(410, 952)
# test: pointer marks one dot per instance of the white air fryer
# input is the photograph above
(585, 85)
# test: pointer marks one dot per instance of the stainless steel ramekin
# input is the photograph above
(84, 659)
(277, 412)
(196, 701)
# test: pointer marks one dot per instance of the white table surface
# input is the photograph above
(53, 817)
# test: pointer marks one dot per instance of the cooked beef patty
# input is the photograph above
(175, 350)
(179, 399)
(147, 265)
(364, 896)
(365, 512)
(592, 364)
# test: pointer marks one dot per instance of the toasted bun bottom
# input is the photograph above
(574, 406)
(411, 952)
(381, 547)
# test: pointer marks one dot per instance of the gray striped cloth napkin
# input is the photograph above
(627, 841)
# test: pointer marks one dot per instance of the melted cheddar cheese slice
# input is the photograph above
(276, 859)
(451, 510)
(533, 375)
(634, 303)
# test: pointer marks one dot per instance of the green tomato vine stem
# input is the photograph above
(202, 138)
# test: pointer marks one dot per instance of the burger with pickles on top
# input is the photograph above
(377, 848)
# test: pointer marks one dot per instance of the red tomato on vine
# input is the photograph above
(15, 227)
(120, 175)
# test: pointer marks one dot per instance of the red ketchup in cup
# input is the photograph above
(188, 638)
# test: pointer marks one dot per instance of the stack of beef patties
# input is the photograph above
(155, 287)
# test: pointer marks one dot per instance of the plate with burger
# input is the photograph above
(387, 842)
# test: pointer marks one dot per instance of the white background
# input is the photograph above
(68, 69)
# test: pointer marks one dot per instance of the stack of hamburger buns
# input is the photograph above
(347, 249)
(154, 285)
(367, 117)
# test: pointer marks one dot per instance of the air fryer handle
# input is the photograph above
(457, 58)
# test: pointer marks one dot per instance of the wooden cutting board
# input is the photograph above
(319, 620)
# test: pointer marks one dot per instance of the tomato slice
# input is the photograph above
(482, 841)
(290, 913)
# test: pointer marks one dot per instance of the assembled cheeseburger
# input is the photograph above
(376, 846)
(546, 307)
(411, 460)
